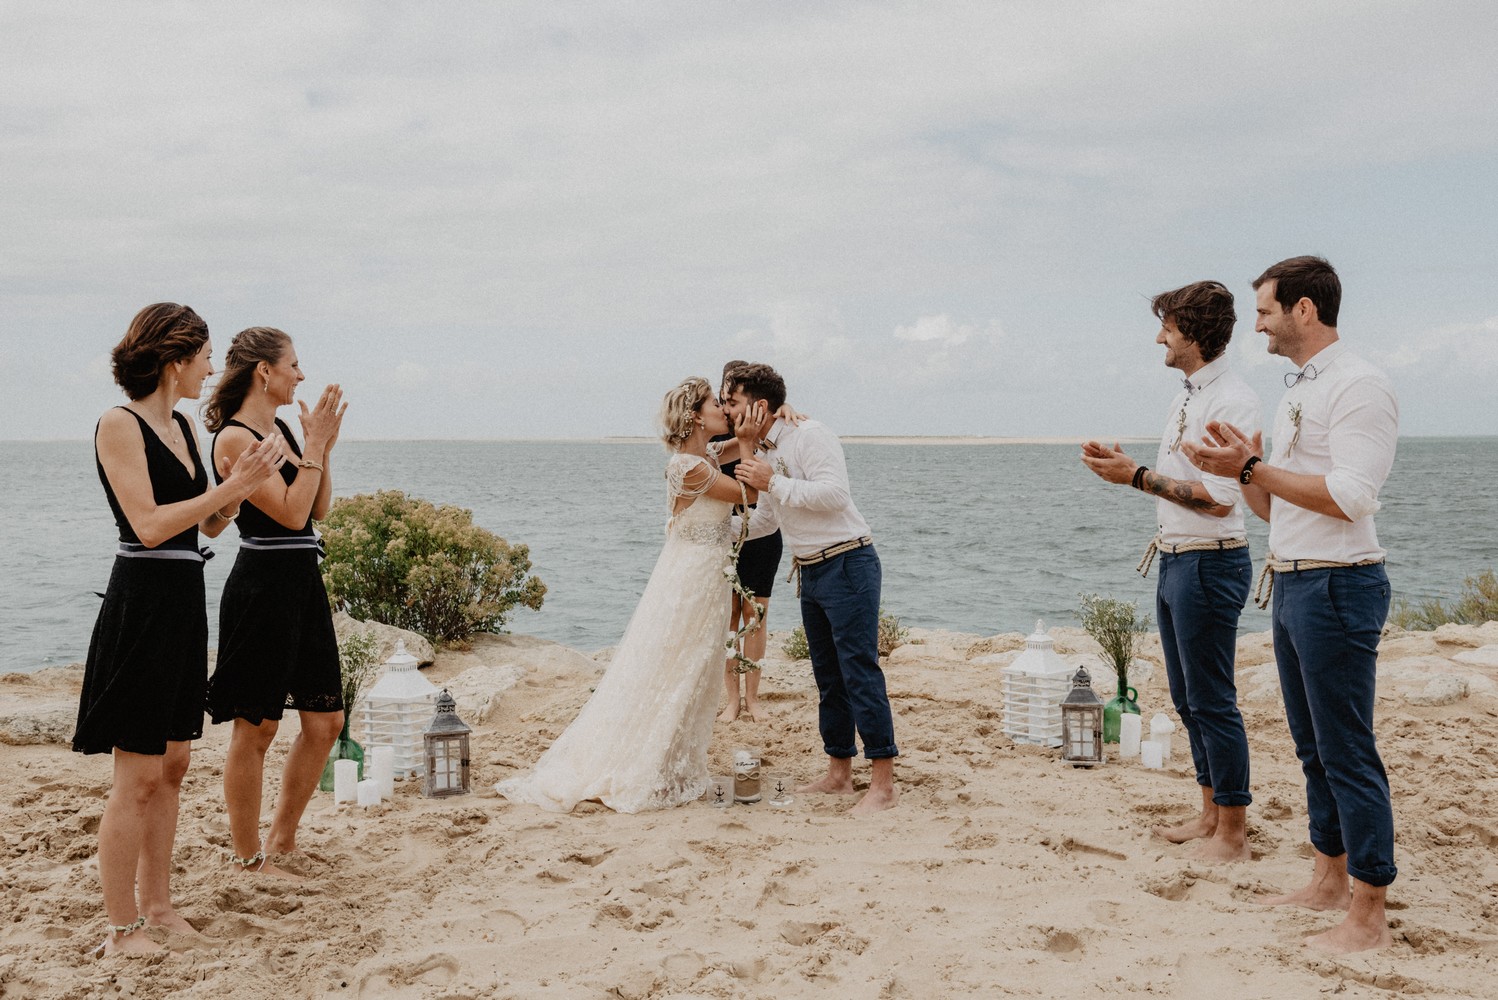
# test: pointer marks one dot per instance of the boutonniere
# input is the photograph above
(1180, 429)
(1295, 422)
(780, 468)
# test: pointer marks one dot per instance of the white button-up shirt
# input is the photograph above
(808, 499)
(1217, 393)
(1343, 425)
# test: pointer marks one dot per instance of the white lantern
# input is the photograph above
(446, 748)
(396, 711)
(1033, 686)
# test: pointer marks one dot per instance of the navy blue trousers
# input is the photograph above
(840, 612)
(1198, 599)
(1326, 628)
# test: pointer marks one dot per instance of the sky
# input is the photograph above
(530, 220)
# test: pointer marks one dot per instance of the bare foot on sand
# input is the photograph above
(829, 785)
(1194, 829)
(173, 922)
(134, 943)
(1221, 849)
(876, 799)
(264, 869)
(1346, 938)
(752, 712)
(731, 713)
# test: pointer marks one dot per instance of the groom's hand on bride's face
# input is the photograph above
(754, 472)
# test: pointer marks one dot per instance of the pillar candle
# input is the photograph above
(382, 762)
(345, 780)
(1129, 727)
(1149, 753)
(369, 792)
(1160, 729)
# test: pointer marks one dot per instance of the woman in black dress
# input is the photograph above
(276, 647)
(142, 698)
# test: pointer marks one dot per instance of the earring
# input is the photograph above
(265, 381)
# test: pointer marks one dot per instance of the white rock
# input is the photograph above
(1483, 656)
(28, 723)
(416, 644)
(477, 690)
(1445, 690)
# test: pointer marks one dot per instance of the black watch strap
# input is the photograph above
(1248, 470)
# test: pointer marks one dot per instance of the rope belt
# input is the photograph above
(830, 552)
(1155, 545)
(169, 550)
(1264, 590)
(266, 544)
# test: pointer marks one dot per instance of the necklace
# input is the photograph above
(171, 435)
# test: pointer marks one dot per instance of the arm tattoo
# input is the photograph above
(1178, 491)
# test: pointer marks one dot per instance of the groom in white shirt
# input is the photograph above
(1335, 432)
(802, 481)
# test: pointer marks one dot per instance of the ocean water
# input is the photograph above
(977, 538)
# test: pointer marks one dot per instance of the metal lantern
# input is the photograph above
(397, 709)
(446, 748)
(1033, 687)
(1082, 723)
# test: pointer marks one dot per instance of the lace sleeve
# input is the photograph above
(680, 467)
(715, 450)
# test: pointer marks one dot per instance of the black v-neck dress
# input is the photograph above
(148, 658)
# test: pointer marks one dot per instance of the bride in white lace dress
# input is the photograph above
(641, 741)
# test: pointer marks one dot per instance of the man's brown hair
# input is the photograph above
(1203, 312)
(1306, 278)
(758, 382)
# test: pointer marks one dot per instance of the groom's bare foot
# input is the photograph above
(1329, 888)
(829, 785)
(1194, 829)
(876, 799)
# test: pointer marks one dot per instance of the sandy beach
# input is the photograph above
(1003, 872)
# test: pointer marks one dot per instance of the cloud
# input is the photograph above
(1469, 348)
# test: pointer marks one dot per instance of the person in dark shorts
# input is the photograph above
(759, 561)
(142, 698)
(277, 648)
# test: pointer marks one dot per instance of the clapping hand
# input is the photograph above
(321, 424)
(1110, 464)
(1224, 450)
(254, 465)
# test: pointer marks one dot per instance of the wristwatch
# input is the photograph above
(1248, 470)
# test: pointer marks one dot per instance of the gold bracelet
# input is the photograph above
(304, 464)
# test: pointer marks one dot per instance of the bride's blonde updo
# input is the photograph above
(680, 408)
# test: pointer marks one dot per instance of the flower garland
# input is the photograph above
(734, 643)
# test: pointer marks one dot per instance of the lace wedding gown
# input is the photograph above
(640, 742)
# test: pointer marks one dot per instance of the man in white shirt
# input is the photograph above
(1205, 570)
(802, 481)
(1334, 437)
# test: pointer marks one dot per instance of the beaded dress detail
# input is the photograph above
(640, 742)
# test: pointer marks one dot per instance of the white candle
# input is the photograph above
(1129, 726)
(382, 763)
(369, 792)
(1160, 729)
(1149, 753)
(345, 780)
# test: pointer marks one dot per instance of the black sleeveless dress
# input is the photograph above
(759, 559)
(276, 644)
(148, 658)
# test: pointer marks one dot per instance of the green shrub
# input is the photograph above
(1478, 604)
(891, 634)
(795, 644)
(1116, 626)
(407, 563)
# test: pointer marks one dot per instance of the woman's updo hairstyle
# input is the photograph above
(158, 335)
(680, 408)
(246, 351)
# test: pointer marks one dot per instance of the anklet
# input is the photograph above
(120, 930)
(257, 859)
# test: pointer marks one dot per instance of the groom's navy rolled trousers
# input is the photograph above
(1197, 603)
(840, 612)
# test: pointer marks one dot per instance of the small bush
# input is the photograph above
(891, 634)
(1116, 626)
(795, 644)
(408, 563)
(1478, 604)
(358, 662)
